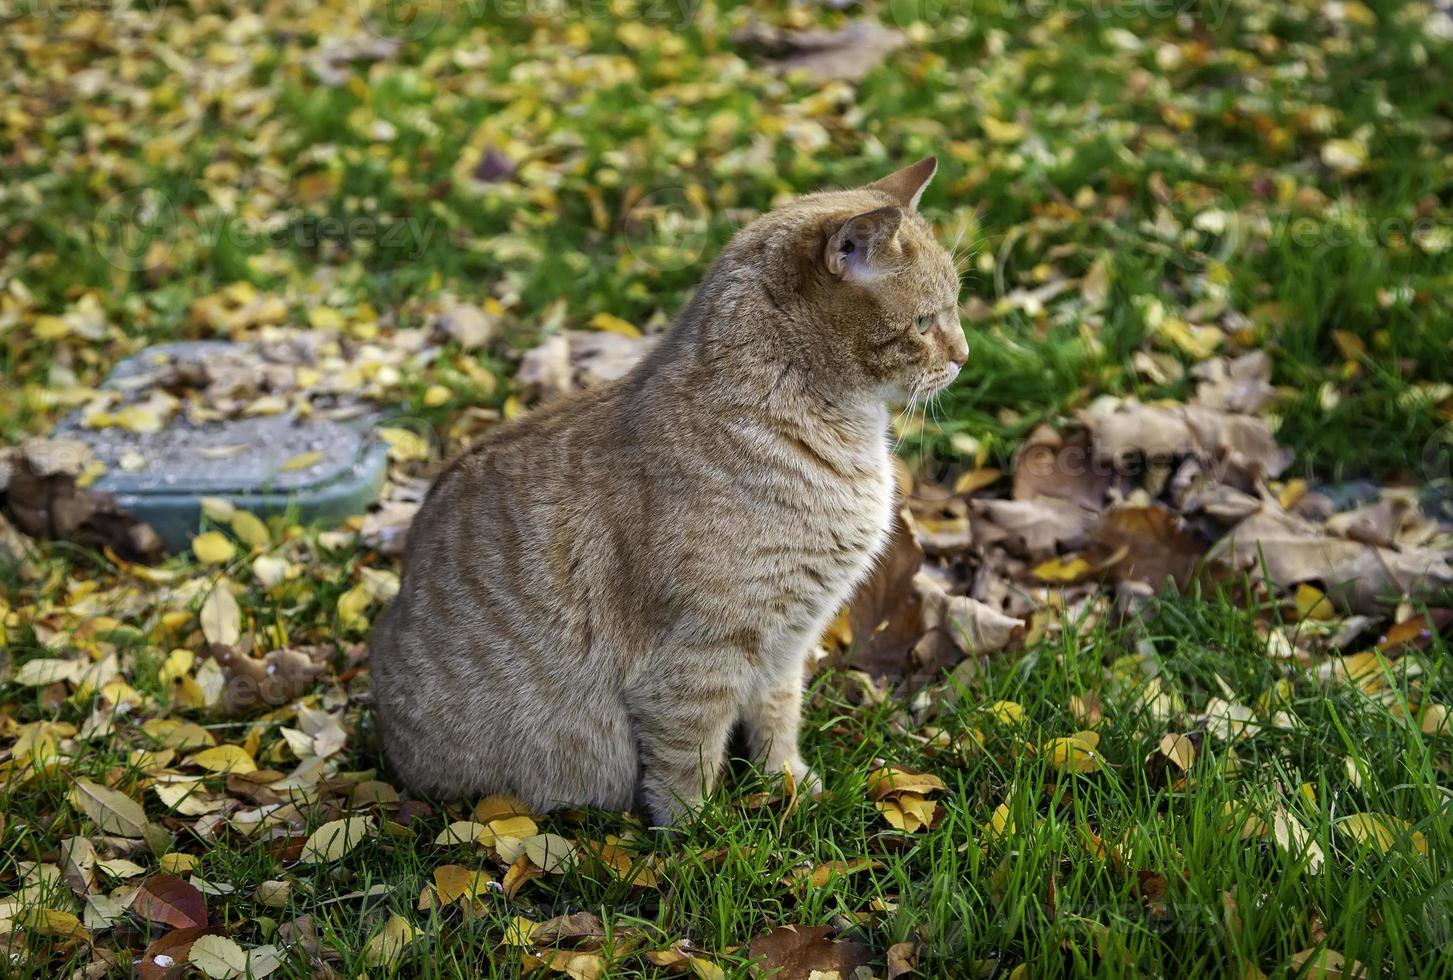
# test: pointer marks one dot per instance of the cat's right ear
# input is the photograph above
(855, 251)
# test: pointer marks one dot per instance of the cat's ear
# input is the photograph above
(906, 187)
(855, 250)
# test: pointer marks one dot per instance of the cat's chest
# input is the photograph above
(842, 529)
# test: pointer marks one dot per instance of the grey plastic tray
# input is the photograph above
(243, 461)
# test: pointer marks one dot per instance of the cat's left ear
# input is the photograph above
(855, 251)
(906, 186)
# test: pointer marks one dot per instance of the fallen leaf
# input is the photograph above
(792, 952)
(336, 838)
(168, 900)
(111, 810)
(221, 617)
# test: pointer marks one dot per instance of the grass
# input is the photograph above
(1187, 152)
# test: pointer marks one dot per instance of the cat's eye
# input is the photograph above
(922, 323)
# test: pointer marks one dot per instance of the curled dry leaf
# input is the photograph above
(1358, 576)
(578, 359)
(38, 492)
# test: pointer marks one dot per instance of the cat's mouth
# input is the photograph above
(941, 379)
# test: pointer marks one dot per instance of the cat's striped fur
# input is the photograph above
(599, 592)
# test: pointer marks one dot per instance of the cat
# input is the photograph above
(601, 590)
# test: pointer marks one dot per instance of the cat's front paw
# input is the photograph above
(806, 779)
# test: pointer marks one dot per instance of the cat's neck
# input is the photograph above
(736, 347)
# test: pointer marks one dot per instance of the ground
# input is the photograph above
(1132, 189)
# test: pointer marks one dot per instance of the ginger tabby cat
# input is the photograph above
(598, 593)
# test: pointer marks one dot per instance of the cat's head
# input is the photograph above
(882, 291)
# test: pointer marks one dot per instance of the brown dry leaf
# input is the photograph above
(957, 625)
(165, 958)
(1049, 465)
(274, 679)
(1152, 544)
(791, 952)
(1376, 523)
(578, 359)
(1241, 385)
(1232, 444)
(578, 925)
(1360, 577)
(886, 613)
(1040, 527)
(168, 900)
(845, 54)
(902, 960)
(41, 497)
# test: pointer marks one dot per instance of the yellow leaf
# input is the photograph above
(301, 461)
(436, 395)
(1065, 570)
(336, 838)
(463, 832)
(54, 923)
(999, 823)
(520, 932)
(1180, 750)
(353, 604)
(1074, 753)
(221, 618)
(453, 882)
(213, 548)
(325, 318)
(890, 779)
(1381, 831)
(513, 827)
(250, 529)
(975, 480)
(614, 324)
(404, 445)
(386, 947)
(225, 758)
(218, 509)
(550, 852)
(1313, 604)
(1007, 712)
